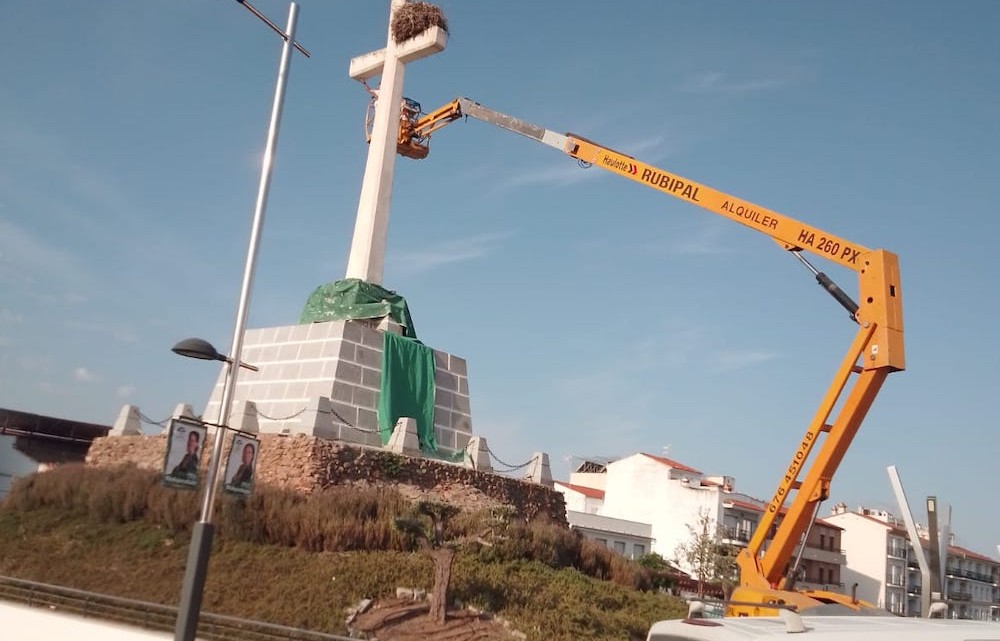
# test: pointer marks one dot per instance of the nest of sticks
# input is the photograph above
(414, 18)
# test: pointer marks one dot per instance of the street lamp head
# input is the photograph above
(197, 348)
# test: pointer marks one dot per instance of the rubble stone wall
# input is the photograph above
(306, 464)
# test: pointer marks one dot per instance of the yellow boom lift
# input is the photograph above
(875, 352)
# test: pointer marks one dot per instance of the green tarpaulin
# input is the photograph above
(352, 299)
(407, 388)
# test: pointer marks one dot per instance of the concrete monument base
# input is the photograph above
(323, 379)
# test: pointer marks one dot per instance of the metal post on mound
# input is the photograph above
(202, 533)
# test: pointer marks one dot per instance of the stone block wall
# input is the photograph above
(306, 464)
(340, 361)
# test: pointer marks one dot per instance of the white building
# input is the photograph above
(583, 506)
(881, 561)
(671, 497)
(666, 494)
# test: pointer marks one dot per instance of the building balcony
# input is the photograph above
(960, 595)
(969, 574)
(836, 557)
(896, 552)
(735, 536)
(914, 590)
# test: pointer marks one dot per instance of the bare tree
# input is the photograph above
(710, 560)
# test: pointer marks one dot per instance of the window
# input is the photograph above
(822, 541)
(603, 542)
(638, 550)
(620, 547)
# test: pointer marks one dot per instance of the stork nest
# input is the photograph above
(414, 18)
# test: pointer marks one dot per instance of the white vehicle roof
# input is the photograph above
(823, 628)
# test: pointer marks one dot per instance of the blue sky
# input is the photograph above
(599, 317)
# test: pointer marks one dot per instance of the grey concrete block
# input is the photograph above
(446, 380)
(345, 350)
(311, 369)
(353, 331)
(318, 330)
(329, 368)
(461, 423)
(318, 388)
(457, 365)
(281, 334)
(367, 419)
(268, 353)
(443, 398)
(445, 439)
(463, 385)
(343, 392)
(372, 378)
(317, 349)
(251, 354)
(289, 371)
(288, 351)
(442, 417)
(262, 336)
(364, 398)
(296, 390)
(343, 413)
(274, 391)
(440, 360)
(462, 440)
(298, 333)
(460, 404)
(367, 357)
(348, 373)
(386, 325)
(372, 338)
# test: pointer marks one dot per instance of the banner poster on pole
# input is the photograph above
(241, 464)
(185, 442)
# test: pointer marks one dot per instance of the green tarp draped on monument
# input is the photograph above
(352, 299)
(407, 388)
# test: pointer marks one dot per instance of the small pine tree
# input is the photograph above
(426, 527)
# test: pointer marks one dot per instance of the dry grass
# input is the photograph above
(110, 530)
(413, 18)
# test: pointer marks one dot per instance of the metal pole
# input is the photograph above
(202, 533)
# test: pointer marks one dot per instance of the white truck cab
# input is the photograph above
(823, 628)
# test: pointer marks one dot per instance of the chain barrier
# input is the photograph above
(282, 418)
(146, 419)
(363, 430)
(510, 468)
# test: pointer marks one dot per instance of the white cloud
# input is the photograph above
(84, 375)
(124, 391)
(121, 333)
(25, 256)
(569, 172)
(731, 361)
(447, 252)
(721, 82)
(705, 240)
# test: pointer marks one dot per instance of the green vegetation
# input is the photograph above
(301, 560)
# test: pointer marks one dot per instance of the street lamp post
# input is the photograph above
(202, 533)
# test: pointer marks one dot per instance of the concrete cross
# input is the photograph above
(367, 257)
